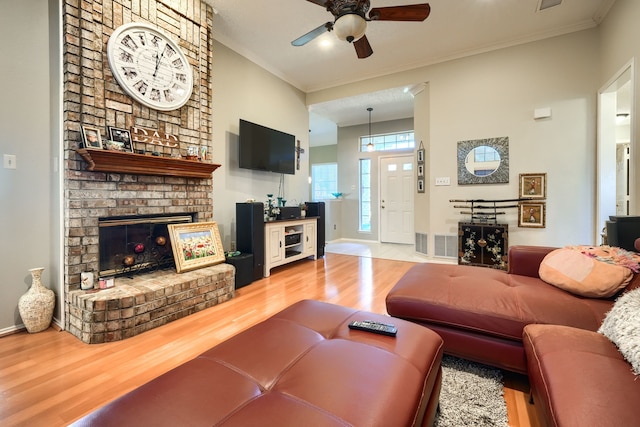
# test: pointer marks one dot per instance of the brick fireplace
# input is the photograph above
(163, 184)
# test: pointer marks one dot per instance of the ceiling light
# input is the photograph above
(350, 27)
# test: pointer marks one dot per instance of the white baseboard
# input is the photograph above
(20, 327)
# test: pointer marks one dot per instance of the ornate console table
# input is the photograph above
(481, 240)
(483, 244)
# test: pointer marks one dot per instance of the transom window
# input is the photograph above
(388, 141)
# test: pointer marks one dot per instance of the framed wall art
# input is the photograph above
(420, 161)
(121, 139)
(196, 245)
(91, 137)
(532, 214)
(533, 185)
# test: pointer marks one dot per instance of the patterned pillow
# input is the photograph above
(622, 326)
(589, 271)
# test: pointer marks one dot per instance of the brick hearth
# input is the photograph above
(146, 301)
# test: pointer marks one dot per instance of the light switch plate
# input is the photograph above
(443, 180)
(9, 161)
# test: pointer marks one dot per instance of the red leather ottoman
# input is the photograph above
(303, 366)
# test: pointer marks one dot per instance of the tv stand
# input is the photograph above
(286, 241)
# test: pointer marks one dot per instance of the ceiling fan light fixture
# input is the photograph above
(350, 27)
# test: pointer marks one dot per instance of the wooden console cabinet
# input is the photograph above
(288, 241)
(483, 244)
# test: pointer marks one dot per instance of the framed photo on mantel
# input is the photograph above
(91, 137)
(121, 138)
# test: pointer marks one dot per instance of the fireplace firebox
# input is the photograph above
(132, 245)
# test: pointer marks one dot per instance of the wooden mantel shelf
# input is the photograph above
(139, 164)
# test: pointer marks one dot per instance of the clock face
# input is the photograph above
(150, 67)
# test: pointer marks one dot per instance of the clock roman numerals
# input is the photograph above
(141, 87)
(128, 42)
(178, 64)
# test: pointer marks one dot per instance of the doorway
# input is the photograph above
(614, 149)
(396, 199)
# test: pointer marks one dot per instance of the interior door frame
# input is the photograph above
(604, 173)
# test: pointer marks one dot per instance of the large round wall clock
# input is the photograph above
(150, 67)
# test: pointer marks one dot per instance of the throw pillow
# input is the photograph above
(622, 326)
(589, 271)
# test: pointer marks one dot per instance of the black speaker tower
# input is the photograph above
(317, 209)
(250, 234)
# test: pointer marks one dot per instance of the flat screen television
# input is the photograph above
(266, 149)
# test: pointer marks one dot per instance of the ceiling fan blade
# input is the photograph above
(363, 48)
(302, 40)
(411, 12)
(318, 2)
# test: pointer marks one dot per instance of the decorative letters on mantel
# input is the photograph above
(150, 136)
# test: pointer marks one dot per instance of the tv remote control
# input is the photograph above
(375, 327)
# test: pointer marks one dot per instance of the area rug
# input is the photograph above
(471, 395)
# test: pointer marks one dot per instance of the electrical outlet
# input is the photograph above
(443, 180)
(9, 161)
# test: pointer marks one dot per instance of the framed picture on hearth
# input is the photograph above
(195, 245)
(532, 214)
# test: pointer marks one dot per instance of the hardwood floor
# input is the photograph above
(51, 378)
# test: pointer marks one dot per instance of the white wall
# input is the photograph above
(28, 237)
(493, 95)
(241, 89)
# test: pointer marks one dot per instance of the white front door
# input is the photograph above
(396, 199)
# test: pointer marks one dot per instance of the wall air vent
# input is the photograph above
(446, 245)
(546, 4)
(421, 243)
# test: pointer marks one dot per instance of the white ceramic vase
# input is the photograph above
(36, 306)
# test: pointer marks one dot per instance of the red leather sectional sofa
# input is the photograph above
(577, 375)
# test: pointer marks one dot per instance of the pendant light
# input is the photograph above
(370, 144)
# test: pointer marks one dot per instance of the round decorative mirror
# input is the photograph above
(482, 161)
